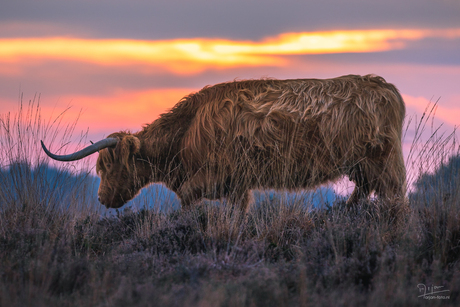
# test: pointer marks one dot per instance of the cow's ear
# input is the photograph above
(129, 145)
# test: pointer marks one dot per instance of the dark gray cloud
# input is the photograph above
(237, 19)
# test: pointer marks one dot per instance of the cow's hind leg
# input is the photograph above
(359, 176)
(390, 187)
(385, 174)
(390, 179)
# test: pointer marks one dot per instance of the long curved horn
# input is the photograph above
(84, 152)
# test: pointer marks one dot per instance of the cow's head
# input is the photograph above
(117, 165)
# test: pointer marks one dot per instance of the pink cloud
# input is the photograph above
(446, 111)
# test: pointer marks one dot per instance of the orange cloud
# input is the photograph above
(185, 56)
(124, 110)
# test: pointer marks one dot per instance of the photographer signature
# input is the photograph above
(430, 290)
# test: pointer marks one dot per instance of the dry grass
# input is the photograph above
(58, 251)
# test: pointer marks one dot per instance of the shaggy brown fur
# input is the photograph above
(230, 138)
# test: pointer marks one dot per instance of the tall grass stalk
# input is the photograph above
(25, 172)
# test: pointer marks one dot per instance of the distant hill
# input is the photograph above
(20, 183)
(440, 186)
(59, 187)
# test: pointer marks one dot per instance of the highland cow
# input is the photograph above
(231, 138)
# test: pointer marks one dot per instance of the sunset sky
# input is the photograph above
(122, 63)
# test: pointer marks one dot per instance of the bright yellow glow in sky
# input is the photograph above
(186, 56)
